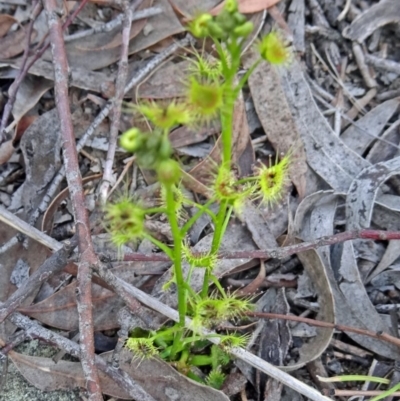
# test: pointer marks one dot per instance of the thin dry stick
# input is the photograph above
(119, 376)
(71, 163)
(117, 102)
(281, 253)
(318, 323)
(24, 68)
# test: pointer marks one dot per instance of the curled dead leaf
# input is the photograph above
(6, 151)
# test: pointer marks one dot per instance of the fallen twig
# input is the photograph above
(117, 102)
(88, 257)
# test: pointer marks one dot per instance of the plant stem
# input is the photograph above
(216, 242)
(177, 260)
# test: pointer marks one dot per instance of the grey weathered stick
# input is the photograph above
(88, 256)
(117, 102)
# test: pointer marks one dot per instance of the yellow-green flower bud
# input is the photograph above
(168, 172)
(226, 21)
(132, 140)
(216, 31)
(199, 26)
(239, 18)
(165, 149)
(231, 6)
(244, 29)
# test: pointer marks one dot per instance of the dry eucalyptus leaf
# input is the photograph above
(136, 28)
(47, 375)
(83, 78)
(248, 6)
(60, 309)
(166, 83)
(40, 147)
(380, 150)
(327, 155)
(190, 8)
(6, 22)
(92, 53)
(29, 93)
(14, 43)
(363, 191)
(159, 27)
(392, 253)
(356, 136)
(163, 382)
(274, 342)
(6, 151)
(383, 13)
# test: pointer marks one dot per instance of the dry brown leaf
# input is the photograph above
(23, 124)
(83, 53)
(189, 8)
(116, 40)
(6, 22)
(163, 382)
(14, 43)
(6, 151)
(47, 375)
(248, 6)
(30, 91)
(166, 83)
(60, 309)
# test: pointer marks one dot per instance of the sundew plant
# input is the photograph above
(212, 89)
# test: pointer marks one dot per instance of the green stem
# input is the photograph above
(202, 209)
(216, 242)
(177, 260)
(245, 77)
(159, 244)
(226, 124)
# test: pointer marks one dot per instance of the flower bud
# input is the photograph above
(216, 31)
(165, 149)
(231, 6)
(132, 140)
(244, 29)
(239, 18)
(199, 26)
(168, 172)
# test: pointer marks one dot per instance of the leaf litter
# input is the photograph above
(294, 105)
